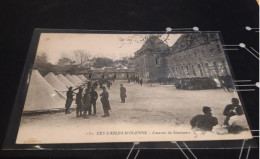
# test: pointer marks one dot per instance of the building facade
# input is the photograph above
(193, 55)
(149, 61)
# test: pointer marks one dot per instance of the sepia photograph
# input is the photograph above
(103, 88)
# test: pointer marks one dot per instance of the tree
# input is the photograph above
(103, 62)
(64, 61)
(81, 57)
(42, 63)
(41, 59)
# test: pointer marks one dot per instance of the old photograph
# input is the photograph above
(101, 88)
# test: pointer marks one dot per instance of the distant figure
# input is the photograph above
(232, 109)
(105, 102)
(86, 103)
(95, 84)
(68, 100)
(129, 80)
(93, 100)
(108, 84)
(79, 103)
(141, 81)
(204, 122)
(100, 84)
(89, 84)
(122, 93)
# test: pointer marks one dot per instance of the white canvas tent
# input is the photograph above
(41, 95)
(82, 78)
(77, 79)
(55, 82)
(65, 80)
(71, 79)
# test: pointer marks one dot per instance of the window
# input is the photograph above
(207, 68)
(216, 68)
(201, 73)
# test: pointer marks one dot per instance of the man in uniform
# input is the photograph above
(86, 103)
(79, 103)
(231, 110)
(68, 100)
(204, 122)
(105, 102)
(141, 81)
(93, 100)
(108, 84)
(122, 93)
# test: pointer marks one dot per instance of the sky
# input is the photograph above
(114, 46)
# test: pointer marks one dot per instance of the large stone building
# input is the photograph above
(193, 55)
(148, 61)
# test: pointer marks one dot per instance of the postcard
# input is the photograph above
(131, 87)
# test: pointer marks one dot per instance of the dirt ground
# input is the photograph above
(147, 106)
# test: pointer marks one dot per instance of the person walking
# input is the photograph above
(108, 84)
(79, 103)
(141, 81)
(105, 102)
(122, 93)
(93, 100)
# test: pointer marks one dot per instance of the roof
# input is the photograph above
(187, 41)
(153, 45)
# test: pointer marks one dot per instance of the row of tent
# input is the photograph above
(49, 92)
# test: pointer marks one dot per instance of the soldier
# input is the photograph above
(68, 100)
(204, 122)
(122, 93)
(231, 110)
(95, 84)
(86, 103)
(141, 81)
(93, 100)
(105, 102)
(101, 84)
(79, 103)
(89, 84)
(108, 84)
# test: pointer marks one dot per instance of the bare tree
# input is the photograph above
(81, 57)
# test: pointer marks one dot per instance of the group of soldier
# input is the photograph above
(86, 105)
(86, 102)
(206, 122)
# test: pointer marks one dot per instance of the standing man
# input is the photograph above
(89, 84)
(122, 93)
(231, 110)
(105, 102)
(86, 103)
(68, 100)
(204, 122)
(79, 103)
(108, 84)
(93, 100)
(141, 81)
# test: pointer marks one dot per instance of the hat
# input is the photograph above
(206, 109)
(235, 100)
(70, 87)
